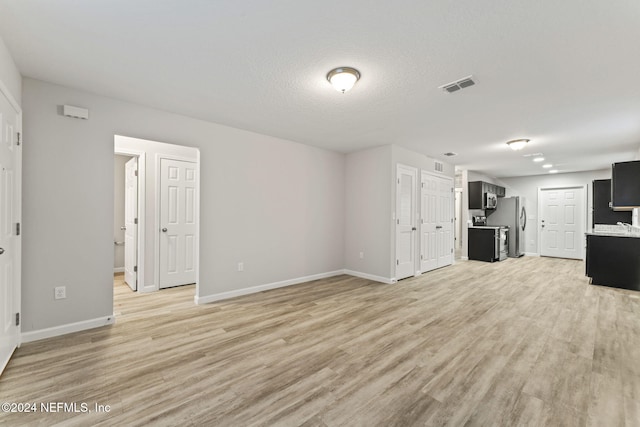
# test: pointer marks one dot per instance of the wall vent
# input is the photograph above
(75, 112)
(439, 166)
(458, 84)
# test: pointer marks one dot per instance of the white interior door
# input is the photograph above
(458, 219)
(178, 218)
(405, 221)
(428, 222)
(10, 202)
(562, 222)
(444, 228)
(131, 224)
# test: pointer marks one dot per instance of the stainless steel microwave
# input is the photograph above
(490, 201)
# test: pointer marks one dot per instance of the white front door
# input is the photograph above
(131, 224)
(10, 203)
(178, 218)
(405, 222)
(428, 222)
(444, 228)
(562, 222)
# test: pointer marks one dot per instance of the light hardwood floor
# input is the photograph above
(520, 342)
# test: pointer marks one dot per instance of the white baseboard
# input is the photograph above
(464, 258)
(67, 329)
(367, 276)
(531, 254)
(118, 270)
(254, 289)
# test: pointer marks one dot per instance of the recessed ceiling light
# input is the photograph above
(547, 166)
(553, 171)
(539, 159)
(517, 144)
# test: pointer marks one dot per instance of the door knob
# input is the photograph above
(164, 230)
(1, 251)
(123, 228)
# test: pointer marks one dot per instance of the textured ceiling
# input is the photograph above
(562, 73)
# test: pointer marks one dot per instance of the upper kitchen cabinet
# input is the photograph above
(602, 212)
(477, 191)
(625, 186)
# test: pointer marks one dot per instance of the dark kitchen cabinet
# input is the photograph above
(477, 190)
(614, 261)
(625, 185)
(602, 212)
(481, 244)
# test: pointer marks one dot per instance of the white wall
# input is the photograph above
(9, 74)
(368, 207)
(370, 203)
(528, 187)
(276, 205)
(118, 209)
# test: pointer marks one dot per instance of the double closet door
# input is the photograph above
(424, 221)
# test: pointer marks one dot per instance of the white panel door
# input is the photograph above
(444, 228)
(177, 223)
(562, 222)
(10, 200)
(131, 224)
(428, 222)
(405, 221)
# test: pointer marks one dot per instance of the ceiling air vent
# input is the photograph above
(450, 154)
(458, 84)
(439, 166)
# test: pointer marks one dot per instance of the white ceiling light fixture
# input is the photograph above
(343, 78)
(517, 144)
(538, 159)
(547, 166)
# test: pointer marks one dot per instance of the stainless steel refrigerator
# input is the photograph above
(512, 213)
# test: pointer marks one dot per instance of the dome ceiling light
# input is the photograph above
(343, 78)
(517, 144)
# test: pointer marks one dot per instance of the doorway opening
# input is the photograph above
(156, 214)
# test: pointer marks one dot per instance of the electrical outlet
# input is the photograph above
(241, 266)
(361, 255)
(60, 292)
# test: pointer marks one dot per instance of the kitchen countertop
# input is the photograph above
(612, 234)
(492, 227)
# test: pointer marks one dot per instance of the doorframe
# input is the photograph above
(17, 267)
(156, 258)
(584, 214)
(142, 179)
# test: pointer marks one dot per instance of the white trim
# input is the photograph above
(464, 258)
(254, 289)
(118, 270)
(531, 254)
(7, 93)
(585, 207)
(67, 329)
(142, 194)
(387, 280)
